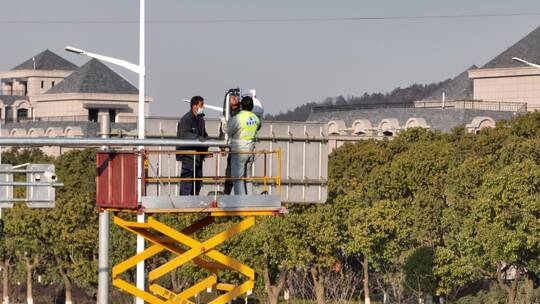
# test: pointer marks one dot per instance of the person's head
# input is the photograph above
(197, 105)
(247, 103)
(234, 101)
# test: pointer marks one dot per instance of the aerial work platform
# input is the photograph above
(117, 185)
(201, 253)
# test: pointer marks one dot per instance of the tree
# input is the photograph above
(509, 222)
(266, 246)
(409, 186)
(350, 166)
(318, 241)
(21, 227)
(71, 227)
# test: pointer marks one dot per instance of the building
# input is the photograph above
(474, 99)
(501, 79)
(354, 123)
(47, 87)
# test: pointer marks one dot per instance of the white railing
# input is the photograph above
(473, 105)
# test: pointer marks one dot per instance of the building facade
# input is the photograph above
(516, 84)
(47, 87)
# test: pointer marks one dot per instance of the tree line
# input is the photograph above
(425, 217)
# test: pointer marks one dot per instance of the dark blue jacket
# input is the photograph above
(191, 127)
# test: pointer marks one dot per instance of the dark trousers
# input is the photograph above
(228, 183)
(186, 187)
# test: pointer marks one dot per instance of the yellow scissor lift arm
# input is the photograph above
(185, 248)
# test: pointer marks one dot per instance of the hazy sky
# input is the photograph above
(289, 63)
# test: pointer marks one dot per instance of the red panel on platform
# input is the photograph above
(116, 184)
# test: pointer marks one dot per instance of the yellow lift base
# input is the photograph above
(165, 238)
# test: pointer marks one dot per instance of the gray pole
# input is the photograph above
(111, 142)
(103, 254)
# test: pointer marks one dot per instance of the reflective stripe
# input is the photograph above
(249, 125)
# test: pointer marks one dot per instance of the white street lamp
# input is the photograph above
(140, 70)
(128, 65)
(526, 62)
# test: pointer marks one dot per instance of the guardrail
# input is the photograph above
(13, 93)
(64, 118)
(348, 107)
(499, 106)
(154, 165)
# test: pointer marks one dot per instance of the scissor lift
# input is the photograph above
(116, 191)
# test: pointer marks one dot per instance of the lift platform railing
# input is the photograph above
(153, 173)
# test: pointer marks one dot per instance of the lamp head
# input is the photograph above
(519, 60)
(74, 50)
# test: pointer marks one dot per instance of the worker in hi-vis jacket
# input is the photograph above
(242, 130)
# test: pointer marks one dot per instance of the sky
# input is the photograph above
(289, 63)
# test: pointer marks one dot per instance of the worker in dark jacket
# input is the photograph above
(191, 126)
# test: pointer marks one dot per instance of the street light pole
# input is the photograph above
(141, 127)
(140, 70)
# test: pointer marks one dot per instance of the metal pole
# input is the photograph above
(1, 152)
(103, 258)
(111, 142)
(141, 113)
(443, 99)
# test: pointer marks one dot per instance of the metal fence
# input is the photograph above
(162, 171)
(348, 107)
(56, 118)
(63, 118)
(503, 106)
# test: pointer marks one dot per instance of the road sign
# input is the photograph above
(6, 192)
(40, 185)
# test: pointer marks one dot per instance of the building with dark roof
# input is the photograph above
(94, 77)
(46, 61)
(475, 99)
(501, 79)
(48, 87)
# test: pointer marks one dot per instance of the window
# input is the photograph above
(42, 84)
(22, 114)
(93, 115)
(25, 88)
(112, 115)
(52, 84)
(9, 114)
